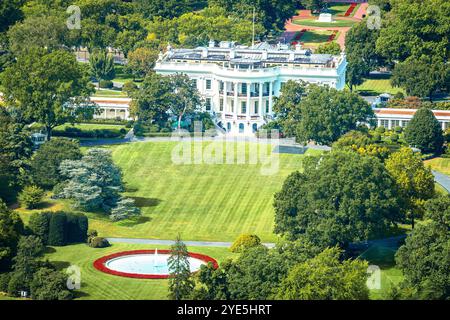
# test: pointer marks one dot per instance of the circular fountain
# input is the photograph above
(146, 264)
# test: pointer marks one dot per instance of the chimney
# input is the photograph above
(232, 53)
(211, 43)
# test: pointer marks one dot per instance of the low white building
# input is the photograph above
(391, 118)
(113, 108)
(238, 83)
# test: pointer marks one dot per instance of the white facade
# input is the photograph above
(238, 83)
(113, 108)
(391, 117)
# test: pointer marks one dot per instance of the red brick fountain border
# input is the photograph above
(100, 264)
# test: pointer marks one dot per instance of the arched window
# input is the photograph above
(254, 127)
(241, 128)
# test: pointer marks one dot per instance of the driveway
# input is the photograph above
(442, 179)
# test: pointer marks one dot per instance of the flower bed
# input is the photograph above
(100, 264)
(297, 36)
(350, 9)
(332, 36)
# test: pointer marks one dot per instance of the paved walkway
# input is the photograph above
(442, 179)
(170, 242)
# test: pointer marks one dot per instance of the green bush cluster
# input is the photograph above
(31, 196)
(106, 84)
(74, 132)
(244, 242)
(59, 228)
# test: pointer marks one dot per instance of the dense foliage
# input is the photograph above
(425, 132)
(339, 198)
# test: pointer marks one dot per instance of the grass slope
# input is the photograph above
(215, 202)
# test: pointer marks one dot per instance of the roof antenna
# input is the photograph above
(253, 29)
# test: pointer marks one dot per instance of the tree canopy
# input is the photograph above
(50, 88)
(425, 132)
(339, 198)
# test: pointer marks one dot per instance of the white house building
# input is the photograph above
(113, 108)
(238, 83)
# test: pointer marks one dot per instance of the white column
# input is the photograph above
(260, 103)
(224, 98)
(378, 122)
(105, 113)
(115, 113)
(270, 96)
(443, 125)
(390, 124)
(249, 85)
(235, 100)
(127, 114)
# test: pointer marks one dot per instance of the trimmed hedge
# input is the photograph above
(63, 228)
(99, 242)
(74, 132)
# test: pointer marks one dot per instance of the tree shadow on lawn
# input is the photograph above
(143, 202)
(61, 265)
(134, 221)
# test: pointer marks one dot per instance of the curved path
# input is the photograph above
(442, 179)
(170, 242)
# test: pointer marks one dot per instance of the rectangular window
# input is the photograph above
(257, 88)
(221, 85)
(267, 106)
(208, 84)
(221, 105)
(256, 107)
(385, 123)
(395, 123)
(208, 104)
(244, 88)
(446, 125)
(232, 106)
(405, 123)
(194, 82)
(243, 107)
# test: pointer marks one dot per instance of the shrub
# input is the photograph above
(57, 230)
(99, 242)
(129, 87)
(245, 241)
(381, 130)
(48, 284)
(16, 284)
(39, 224)
(31, 196)
(107, 84)
(398, 129)
(76, 228)
(91, 234)
(394, 137)
(376, 137)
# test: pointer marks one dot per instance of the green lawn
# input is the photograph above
(314, 23)
(377, 85)
(440, 164)
(110, 93)
(96, 285)
(202, 202)
(314, 38)
(121, 75)
(383, 257)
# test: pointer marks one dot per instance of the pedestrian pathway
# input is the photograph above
(442, 179)
(170, 242)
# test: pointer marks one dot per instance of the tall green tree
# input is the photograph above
(10, 12)
(424, 257)
(48, 284)
(141, 61)
(102, 65)
(425, 132)
(50, 88)
(415, 181)
(327, 114)
(15, 150)
(422, 77)
(181, 283)
(11, 227)
(47, 159)
(326, 277)
(49, 32)
(151, 102)
(339, 198)
(94, 181)
(184, 97)
(287, 105)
